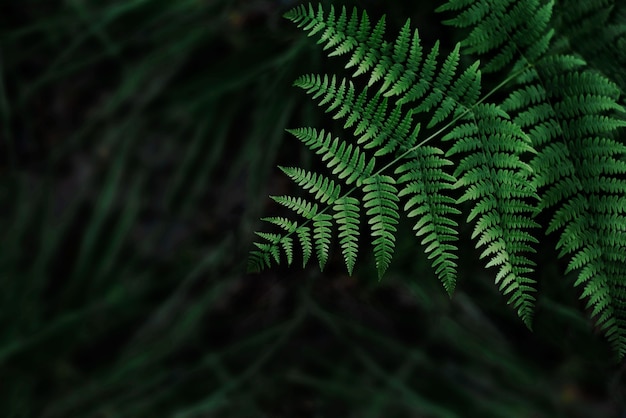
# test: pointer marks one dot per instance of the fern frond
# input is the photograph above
(285, 241)
(580, 167)
(322, 235)
(408, 75)
(517, 30)
(498, 181)
(260, 259)
(347, 162)
(559, 151)
(298, 205)
(282, 222)
(405, 74)
(594, 30)
(376, 128)
(304, 235)
(425, 181)
(325, 189)
(440, 85)
(347, 218)
(341, 33)
(570, 114)
(381, 201)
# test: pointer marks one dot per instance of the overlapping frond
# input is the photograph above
(506, 32)
(493, 175)
(571, 114)
(595, 30)
(581, 172)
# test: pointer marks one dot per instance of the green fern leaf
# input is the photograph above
(495, 177)
(400, 65)
(381, 201)
(347, 161)
(298, 205)
(376, 127)
(416, 88)
(425, 181)
(385, 128)
(325, 189)
(596, 31)
(287, 244)
(578, 166)
(285, 241)
(304, 235)
(441, 84)
(347, 218)
(322, 235)
(523, 38)
(271, 248)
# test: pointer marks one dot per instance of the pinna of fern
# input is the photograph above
(572, 116)
(410, 81)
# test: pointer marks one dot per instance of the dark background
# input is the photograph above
(139, 144)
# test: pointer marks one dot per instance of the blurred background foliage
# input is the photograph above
(139, 140)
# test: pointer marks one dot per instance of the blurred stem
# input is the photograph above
(5, 115)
